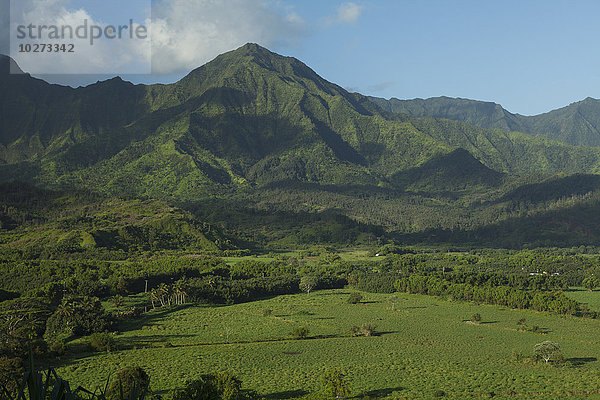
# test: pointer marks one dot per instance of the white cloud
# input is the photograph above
(120, 56)
(184, 34)
(189, 33)
(348, 12)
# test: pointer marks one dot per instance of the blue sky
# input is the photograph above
(530, 56)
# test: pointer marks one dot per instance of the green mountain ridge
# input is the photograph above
(266, 131)
(575, 124)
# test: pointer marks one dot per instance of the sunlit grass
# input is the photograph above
(425, 344)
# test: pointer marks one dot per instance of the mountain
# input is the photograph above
(265, 131)
(479, 113)
(576, 124)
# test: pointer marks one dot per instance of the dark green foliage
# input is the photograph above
(215, 289)
(502, 295)
(367, 329)
(102, 341)
(34, 385)
(335, 384)
(591, 282)
(546, 350)
(355, 298)
(380, 282)
(129, 383)
(22, 324)
(11, 370)
(215, 386)
(78, 317)
(308, 283)
(476, 318)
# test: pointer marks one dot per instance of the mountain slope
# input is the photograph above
(255, 128)
(576, 124)
(50, 223)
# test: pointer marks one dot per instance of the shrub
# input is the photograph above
(102, 341)
(438, 393)
(78, 316)
(267, 312)
(129, 383)
(10, 371)
(476, 317)
(335, 384)
(300, 332)
(546, 350)
(355, 298)
(364, 330)
(215, 386)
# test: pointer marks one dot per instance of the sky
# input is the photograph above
(529, 56)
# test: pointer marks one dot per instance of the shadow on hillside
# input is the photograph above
(149, 340)
(150, 317)
(288, 394)
(580, 361)
(330, 293)
(379, 393)
(385, 333)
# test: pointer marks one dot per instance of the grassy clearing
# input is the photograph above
(423, 346)
(585, 296)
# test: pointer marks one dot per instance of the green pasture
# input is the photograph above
(585, 296)
(423, 345)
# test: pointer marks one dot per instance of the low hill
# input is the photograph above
(50, 224)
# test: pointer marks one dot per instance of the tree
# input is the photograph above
(217, 386)
(301, 332)
(130, 383)
(308, 283)
(546, 350)
(476, 318)
(355, 298)
(591, 282)
(335, 383)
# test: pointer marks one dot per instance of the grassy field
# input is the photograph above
(582, 295)
(423, 346)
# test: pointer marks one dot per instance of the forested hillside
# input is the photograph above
(268, 139)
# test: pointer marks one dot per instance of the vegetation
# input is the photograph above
(173, 228)
(421, 347)
(335, 384)
(576, 124)
(546, 350)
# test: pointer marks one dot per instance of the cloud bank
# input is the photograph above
(184, 34)
(189, 33)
